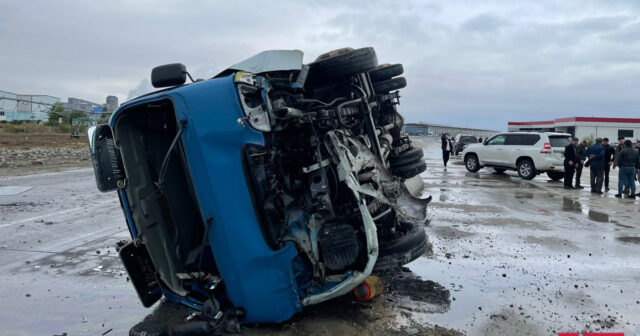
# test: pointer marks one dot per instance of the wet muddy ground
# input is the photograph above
(508, 257)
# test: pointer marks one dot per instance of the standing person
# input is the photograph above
(595, 153)
(570, 161)
(627, 160)
(618, 148)
(609, 155)
(582, 148)
(447, 148)
(638, 165)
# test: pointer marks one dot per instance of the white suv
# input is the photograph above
(528, 153)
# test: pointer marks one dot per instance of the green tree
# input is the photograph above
(67, 116)
(104, 117)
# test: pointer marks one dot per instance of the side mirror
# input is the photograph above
(169, 75)
(485, 142)
(107, 163)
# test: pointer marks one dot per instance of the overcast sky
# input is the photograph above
(470, 63)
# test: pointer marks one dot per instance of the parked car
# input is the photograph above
(271, 187)
(526, 152)
(462, 140)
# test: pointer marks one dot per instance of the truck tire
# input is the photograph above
(404, 249)
(340, 65)
(471, 163)
(413, 154)
(410, 170)
(390, 85)
(526, 169)
(386, 72)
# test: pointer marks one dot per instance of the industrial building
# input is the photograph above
(583, 127)
(435, 129)
(25, 106)
(78, 104)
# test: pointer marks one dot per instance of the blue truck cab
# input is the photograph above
(270, 187)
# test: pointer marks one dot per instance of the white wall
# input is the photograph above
(605, 132)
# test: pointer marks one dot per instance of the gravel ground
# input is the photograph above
(38, 160)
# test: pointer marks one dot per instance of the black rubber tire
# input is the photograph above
(468, 160)
(526, 169)
(403, 250)
(343, 65)
(146, 328)
(499, 170)
(410, 170)
(387, 72)
(411, 155)
(390, 85)
(556, 176)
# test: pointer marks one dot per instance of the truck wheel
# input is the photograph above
(386, 72)
(410, 170)
(471, 163)
(390, 85)
(342, 63)
(556, 176)
(400, 251)
(526, 169)
(410, 155)
(147, 328)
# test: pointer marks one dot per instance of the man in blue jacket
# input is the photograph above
(595, 153)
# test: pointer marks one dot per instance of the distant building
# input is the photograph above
(425, 129)
(80, 105)
(8, 105)
(26, 106)
(582, 127)
(112, 103)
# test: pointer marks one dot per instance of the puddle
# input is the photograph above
(524, 194)
(598, 216)
(569, 205)
(633, 240)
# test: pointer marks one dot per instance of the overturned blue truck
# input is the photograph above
(273, 186)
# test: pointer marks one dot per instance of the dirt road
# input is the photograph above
(508, 257)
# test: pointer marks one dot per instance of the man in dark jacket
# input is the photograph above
(582, 148)
(627, 160)
(638, 165)
(447, 148)
(571, 159)
(609, 155)
(595, 153)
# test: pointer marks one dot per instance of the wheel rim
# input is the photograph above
(525, 169)
(471, 163)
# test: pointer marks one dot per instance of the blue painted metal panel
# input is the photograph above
(257, 278)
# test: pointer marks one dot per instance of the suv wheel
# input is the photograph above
(471, 162)
(526, 169)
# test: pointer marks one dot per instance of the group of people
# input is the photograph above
(601, 158)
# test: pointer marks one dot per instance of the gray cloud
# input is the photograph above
(467, 62)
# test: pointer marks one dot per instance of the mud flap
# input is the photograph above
(137, 262)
